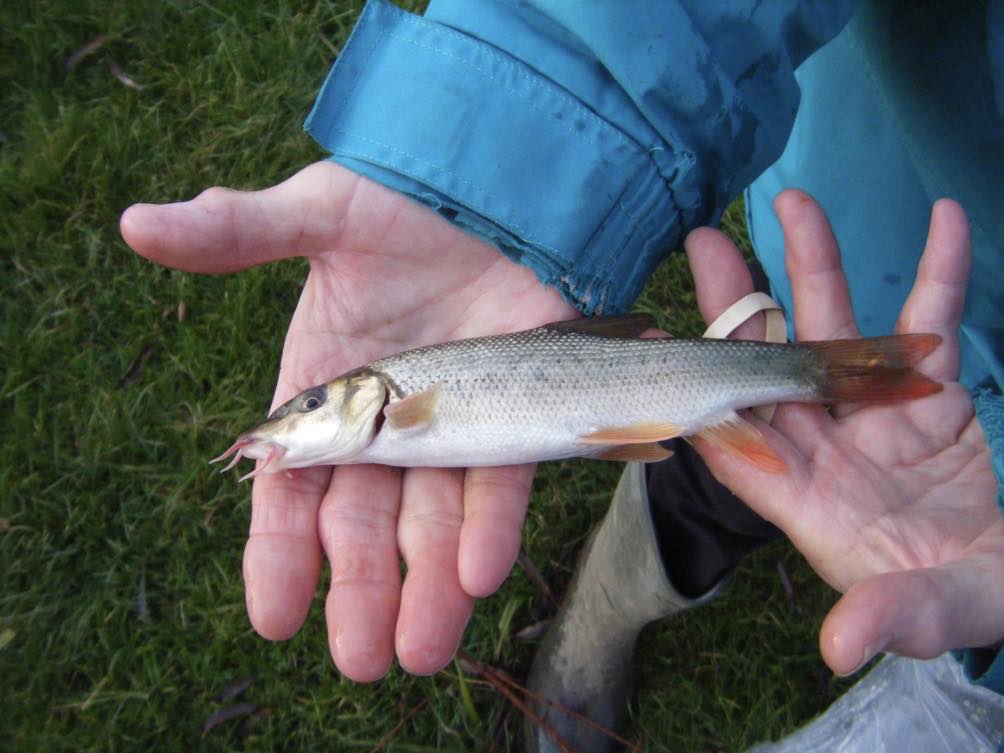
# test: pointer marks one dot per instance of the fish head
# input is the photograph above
(326, 424)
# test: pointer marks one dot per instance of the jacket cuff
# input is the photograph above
(986, 666)
(989, 406)
(505, 153)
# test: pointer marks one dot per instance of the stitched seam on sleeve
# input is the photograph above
(367, 157)
(486, 48)
(579, 108)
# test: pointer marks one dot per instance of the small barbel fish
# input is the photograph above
(582, 388)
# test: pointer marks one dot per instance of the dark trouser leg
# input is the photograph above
(703, 530)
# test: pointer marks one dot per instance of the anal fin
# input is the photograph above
(739, 437)
(640, 433)
(413, 411)
(642, 453)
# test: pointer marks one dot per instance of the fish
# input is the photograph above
(580, 388)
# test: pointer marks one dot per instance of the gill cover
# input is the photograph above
(349, 413)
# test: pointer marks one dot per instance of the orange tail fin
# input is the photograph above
(876, 369)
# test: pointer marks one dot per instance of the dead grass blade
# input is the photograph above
(234, 688)
(789, 588)
(88, 49)
(118, 73)
(535, 577)
(226, 714)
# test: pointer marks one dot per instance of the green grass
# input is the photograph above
(121, 606)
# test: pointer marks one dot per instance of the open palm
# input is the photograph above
(386, 274)
(894, 505)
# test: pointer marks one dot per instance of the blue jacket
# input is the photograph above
(586, 139)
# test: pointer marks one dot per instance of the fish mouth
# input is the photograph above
(250, 446)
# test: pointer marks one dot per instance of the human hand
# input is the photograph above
(893, 505)
(386, 274)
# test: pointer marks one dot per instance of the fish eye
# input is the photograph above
(312, 400)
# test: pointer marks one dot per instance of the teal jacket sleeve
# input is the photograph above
(986, 666)
(582, 139)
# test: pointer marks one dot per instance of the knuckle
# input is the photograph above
(284, 518)
(216, 196)
(341, 527)
(359, 568)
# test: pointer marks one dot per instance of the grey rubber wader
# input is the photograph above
(584, 662)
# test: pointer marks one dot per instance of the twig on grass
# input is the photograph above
(535, 577)
(405, 718)
(88, 49)
(510, 688)
(118, 73)
(226, 714)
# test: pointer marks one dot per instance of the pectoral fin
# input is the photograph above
(641, 433)
(414, 411)
(642, 453)
(738, 436)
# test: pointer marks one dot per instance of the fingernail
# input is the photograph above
(869, 653)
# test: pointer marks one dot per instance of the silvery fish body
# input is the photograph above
(571, 389)
(534, 395)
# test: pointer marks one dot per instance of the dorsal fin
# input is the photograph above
(627, 325)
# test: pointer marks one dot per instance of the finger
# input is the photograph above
(722, 277)
(434, 607)
(222, 230)
(819, 289)
(806, 426)
(495, 501)
(920, 613)
(939, 293)
(766, 493)
(282, 558)
(358, 529)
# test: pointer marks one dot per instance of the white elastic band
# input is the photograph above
(775, 330)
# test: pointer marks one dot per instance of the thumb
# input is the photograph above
(222, 230)
(919, 613)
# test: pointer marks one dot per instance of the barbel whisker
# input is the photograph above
(235, 461)
(274, 454)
